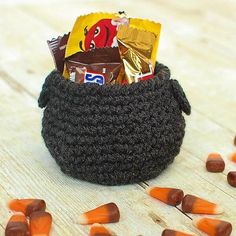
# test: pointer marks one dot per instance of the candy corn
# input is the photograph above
(107, 213)
(231, 177)
(196, 205)
(213, 227)
(40, 223)
(232, 157)
(17, 225)
(99, 230)
(27, 206)
(170, 196)
(169, 232)
(215, 163)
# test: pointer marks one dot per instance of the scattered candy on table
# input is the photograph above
(40, 223)
(107, 213)
(97, 229)
(196, 205)
(17, 225)
(27, 206)
(170, 196)
(231, 177)
(170, 232)
(232, 157)
(215, 163)
(213, 227)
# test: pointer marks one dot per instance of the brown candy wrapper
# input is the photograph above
(136, 49)
(101, 66)
(58, 47)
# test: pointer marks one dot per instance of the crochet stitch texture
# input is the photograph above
(114, 134)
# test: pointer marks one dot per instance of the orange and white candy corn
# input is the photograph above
(170, 196)
(107, 213)
(99, 230)
(27, 206)
(213, 227)
(196, 205)
(17, 225)
(215, 163)
(232, 157)
(40, 223)
(170, 232)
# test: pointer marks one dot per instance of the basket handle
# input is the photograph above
(180, 97)
(45, 93)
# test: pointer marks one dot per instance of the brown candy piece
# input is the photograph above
(17, 226)
(215, 163)
(231, 177)
(235, 140)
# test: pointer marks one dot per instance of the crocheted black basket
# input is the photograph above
(114, 134)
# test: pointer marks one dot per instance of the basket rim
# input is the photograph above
(59, 80)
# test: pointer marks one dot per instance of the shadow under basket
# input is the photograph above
(114, 134)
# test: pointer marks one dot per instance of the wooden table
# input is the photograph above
(197, 42)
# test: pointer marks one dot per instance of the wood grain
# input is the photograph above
(197, 43)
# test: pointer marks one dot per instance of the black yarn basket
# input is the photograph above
(114, 134)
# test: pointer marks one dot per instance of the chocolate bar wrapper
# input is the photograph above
(99, 66)
(58, 47)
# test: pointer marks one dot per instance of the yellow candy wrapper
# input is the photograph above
(96, 30)
(136, 48)
(151, 26)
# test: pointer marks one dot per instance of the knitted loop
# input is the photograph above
(181, 97)
(45, 93)
(162, 71)
(113, 134)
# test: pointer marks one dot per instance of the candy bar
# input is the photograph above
(136, 48)
(99, 66)
(215, 163)
(150, 26)
(170, 196)
(196, 205)
(107, 213)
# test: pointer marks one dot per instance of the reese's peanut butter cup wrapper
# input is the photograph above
(136, 47)
(99, 66)
(57, 47)
(151, 26)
